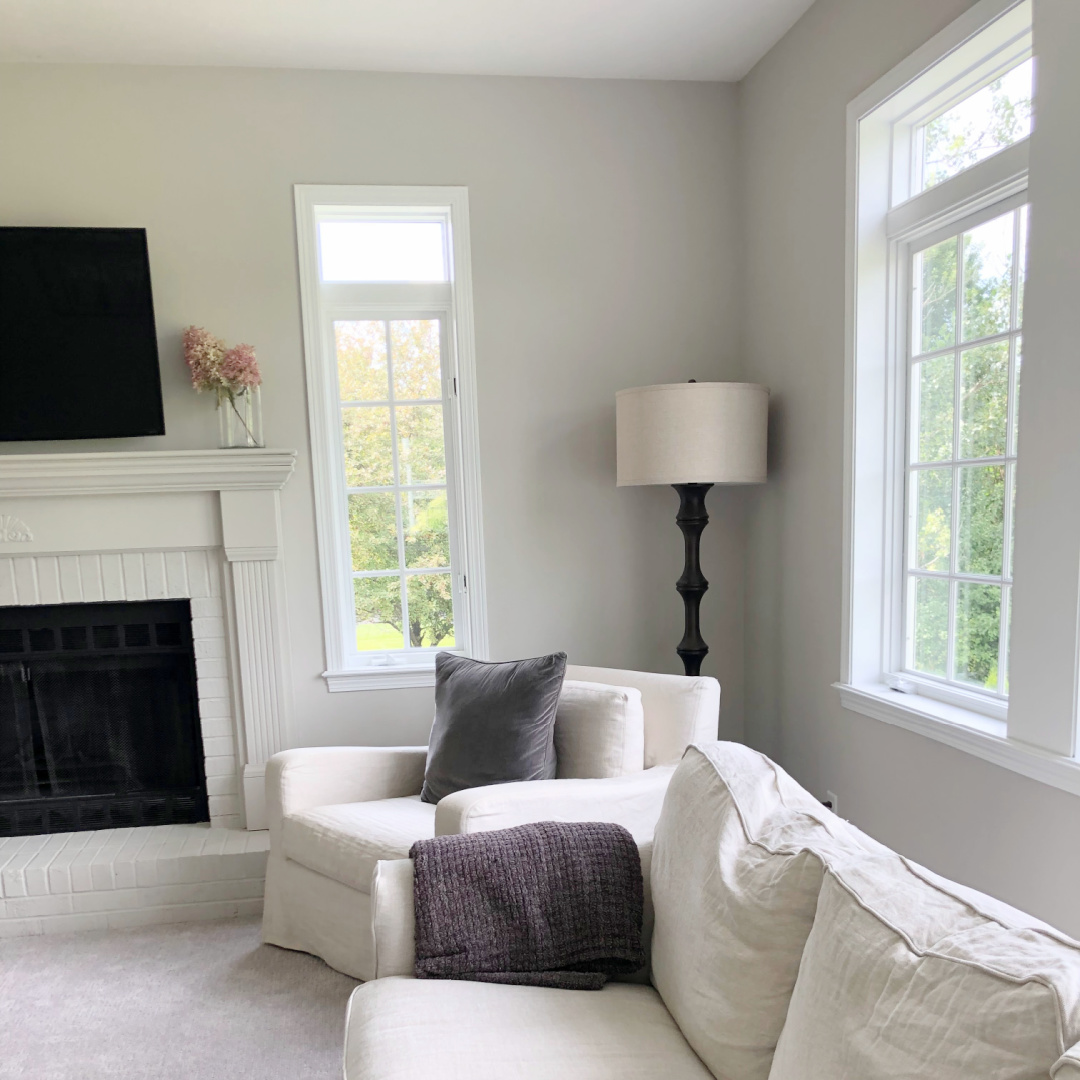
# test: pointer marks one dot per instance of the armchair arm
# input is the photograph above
(393, 919)
(633, 801)
(324, 775)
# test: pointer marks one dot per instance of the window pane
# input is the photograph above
(1022, 270)
(369, 459)
(361, 357)
(377, 602)
(1009, 571)
(931, 645)
(988, 255)
(427, 530)
(982, 519)
(373, 531)
(984, 397)
(933, 533)
(382, 251)
(935, 309)
(1007, 624)
(934, 389)
(431, 610)
(994, 117)
(421, 453)
(978, 630)
(417, 359)
(1016, 393)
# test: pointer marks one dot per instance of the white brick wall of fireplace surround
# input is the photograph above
(120, 878)
(154, 575)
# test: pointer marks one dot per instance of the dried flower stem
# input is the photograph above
(239, 416)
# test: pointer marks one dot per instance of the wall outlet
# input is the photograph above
(832, 802)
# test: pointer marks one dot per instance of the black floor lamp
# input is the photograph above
(691, 436)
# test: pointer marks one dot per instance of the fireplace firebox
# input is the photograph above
(99, 722)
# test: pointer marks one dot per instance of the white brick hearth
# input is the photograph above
(196, 525)
(129, 877)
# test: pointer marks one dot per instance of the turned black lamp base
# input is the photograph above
(692, 519)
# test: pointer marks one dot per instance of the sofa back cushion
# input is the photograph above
(736, 871)
(679, 709)
(906, 974)
(599, 731)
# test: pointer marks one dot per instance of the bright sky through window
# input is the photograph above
(412, 251)
(989, 120)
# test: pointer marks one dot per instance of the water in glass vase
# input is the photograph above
(240, 419)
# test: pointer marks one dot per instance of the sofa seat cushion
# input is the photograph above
(906, 974)
(345, 841)
(403, 1029)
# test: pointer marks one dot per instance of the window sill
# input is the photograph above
(389, 678)
(962, 729)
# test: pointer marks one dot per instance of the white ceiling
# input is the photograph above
(632, 39)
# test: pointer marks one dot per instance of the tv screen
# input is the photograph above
(78, 351)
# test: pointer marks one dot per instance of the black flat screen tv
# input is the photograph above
(78, 350)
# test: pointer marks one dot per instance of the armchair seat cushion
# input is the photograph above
(403, 1029)
(344, 842)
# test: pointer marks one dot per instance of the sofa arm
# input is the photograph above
(393, 921)
(325, 775)
(633, 801)
(393, 918)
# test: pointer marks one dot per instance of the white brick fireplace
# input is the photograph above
(197, 525)
(202, 525)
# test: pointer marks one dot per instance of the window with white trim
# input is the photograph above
(387, 316)
(942, 615)
(964, 354)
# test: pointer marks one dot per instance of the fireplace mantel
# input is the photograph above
(58, 545)
(154, 471)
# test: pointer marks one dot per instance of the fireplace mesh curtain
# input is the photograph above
(98, 723)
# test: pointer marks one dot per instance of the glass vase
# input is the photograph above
(240, 419)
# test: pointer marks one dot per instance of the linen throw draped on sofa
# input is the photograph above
(547, 904)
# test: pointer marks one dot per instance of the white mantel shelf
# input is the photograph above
(153, 471)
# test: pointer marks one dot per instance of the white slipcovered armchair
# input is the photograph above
(336, 811)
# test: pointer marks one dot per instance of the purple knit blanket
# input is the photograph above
(547, 904)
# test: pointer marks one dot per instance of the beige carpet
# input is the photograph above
(193, 1001)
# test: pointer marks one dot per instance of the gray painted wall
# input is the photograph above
(604, 254)
(963, 817)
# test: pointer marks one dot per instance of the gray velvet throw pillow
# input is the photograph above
(494, 722)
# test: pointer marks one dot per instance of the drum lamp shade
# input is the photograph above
(692, 433)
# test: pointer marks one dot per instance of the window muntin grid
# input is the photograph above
(393, 401)
(965, 358)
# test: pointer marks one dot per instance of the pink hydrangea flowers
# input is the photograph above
(228, 372)
(239, 369)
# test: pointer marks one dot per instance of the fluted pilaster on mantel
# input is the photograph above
(257, 625)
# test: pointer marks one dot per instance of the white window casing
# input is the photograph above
(889, 217)
(450, 303)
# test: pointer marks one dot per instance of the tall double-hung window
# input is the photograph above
(938, 265)
(388, 341)
(964, 358)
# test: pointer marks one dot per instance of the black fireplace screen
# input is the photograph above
(99, 723)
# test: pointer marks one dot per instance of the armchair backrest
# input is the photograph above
(679, 709)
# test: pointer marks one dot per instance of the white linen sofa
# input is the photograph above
(334, 812)
(786, 945)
